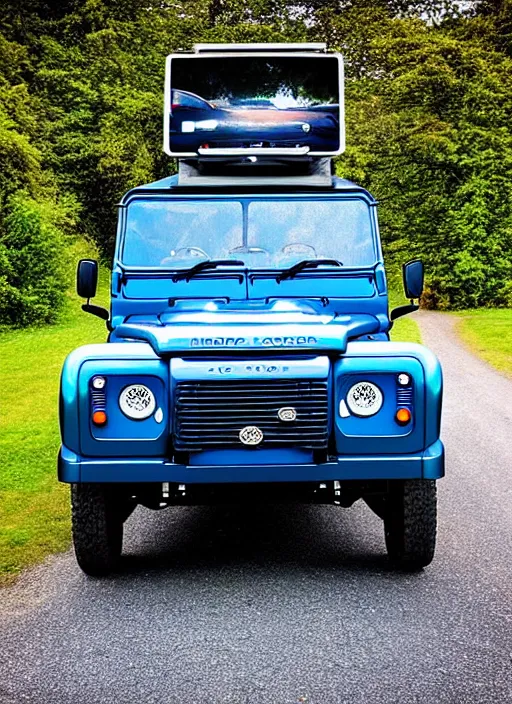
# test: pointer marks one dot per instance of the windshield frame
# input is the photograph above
(245, 199)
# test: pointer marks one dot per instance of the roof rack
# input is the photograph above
(252, 171)
(315, 47)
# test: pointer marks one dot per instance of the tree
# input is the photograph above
(431, 137)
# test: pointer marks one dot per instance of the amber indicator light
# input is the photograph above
(99, 417)
(403, 416)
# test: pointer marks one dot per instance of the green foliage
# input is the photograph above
(429, 102)
(431, 138)
(20, 165)
(33, 261)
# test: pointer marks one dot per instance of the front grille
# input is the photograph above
(211, 414)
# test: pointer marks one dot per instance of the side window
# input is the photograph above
(181, 99)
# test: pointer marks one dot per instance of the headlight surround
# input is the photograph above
(137, 402)
(364, 399)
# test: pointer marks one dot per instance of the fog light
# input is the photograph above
(403, 416)
(99, 417)
(207, 125)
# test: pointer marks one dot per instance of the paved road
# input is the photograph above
(281, 606)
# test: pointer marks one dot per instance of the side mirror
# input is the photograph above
(87, 278)
(86, 285)
(414, 276)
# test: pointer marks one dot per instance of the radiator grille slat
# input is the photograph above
(211, 414)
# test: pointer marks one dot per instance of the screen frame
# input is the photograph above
(253, 151)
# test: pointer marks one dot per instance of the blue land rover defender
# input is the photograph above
(248, 358)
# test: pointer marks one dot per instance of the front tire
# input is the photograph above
(410, 523)
(97, 526)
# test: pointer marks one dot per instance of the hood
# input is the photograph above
(217, 325)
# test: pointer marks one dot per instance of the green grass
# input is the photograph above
(488, 332)
(406, 330)
(34, 507)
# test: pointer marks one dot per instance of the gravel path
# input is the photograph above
(281, 605)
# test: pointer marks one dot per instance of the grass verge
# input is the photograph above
(488, 332)
(34, 507)
(404, 329)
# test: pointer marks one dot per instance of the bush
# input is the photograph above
(34, 266)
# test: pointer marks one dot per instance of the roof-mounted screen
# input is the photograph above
(238, 103)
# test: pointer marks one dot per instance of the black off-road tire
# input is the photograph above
(410, 523)
(97, 525)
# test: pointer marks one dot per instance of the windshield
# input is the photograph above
(264, 234)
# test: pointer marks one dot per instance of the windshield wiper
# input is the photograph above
(306, 264)
(203, 266)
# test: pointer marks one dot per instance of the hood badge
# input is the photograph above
(250, 435)
(281, 341)
(287, 414)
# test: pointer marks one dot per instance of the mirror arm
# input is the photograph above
(403, 310)
(98, 311)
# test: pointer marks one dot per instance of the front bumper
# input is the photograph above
(428, 464)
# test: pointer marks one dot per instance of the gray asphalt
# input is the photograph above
(281, 605)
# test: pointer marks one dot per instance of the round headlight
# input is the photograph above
(364, 399)
(137, 402)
